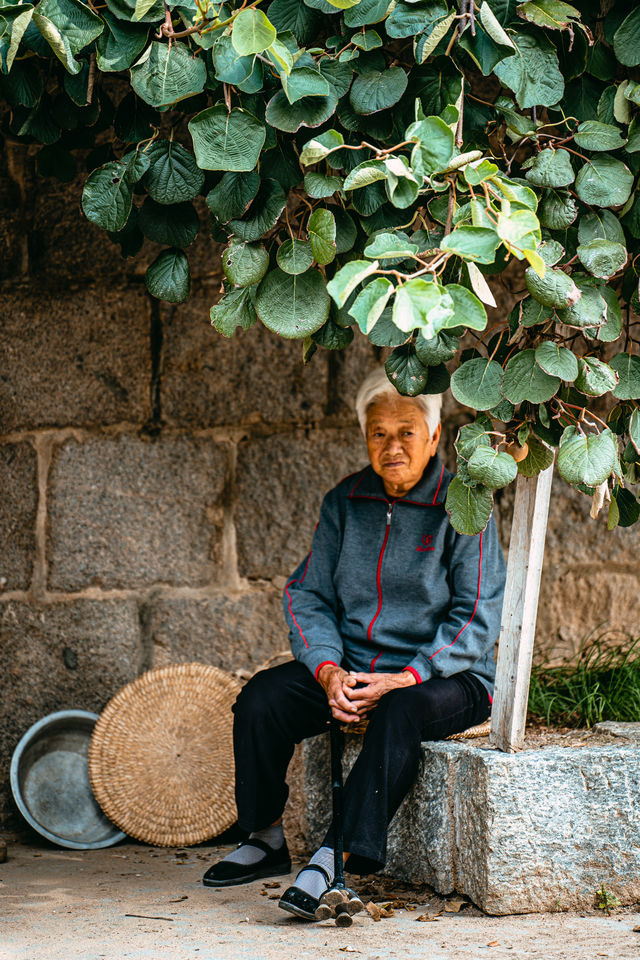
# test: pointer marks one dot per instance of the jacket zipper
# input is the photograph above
(378, 572)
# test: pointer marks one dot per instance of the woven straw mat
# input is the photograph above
(161, 755)
(481, 730)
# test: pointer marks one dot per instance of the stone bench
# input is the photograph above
(537, 830)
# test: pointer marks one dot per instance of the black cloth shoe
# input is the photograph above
(297, 901)
(228, 874)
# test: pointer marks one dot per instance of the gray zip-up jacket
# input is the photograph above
(389, 585)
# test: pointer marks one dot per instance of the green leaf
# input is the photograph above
(595, 377)
(405, 371)
(263, 213)
(305, 82)
(557, 361)
(555, 289)
(604, 182)
(600, 224)
(420, 304)
(293, 306)
(602, 258)
(389, 245)
(537, 459)
(320, 147)
(348, 277)
(142, 7)
(492, 468)
(551, 168)
(279, 55)
(164, 75)
(367, 11)
(472, 243)
(627, 366)
(377, 90)
(436, 350)
(365, 174)
(322, 237)
(557, 210)
(119, 44)
(531, 313)
(244, 264)
(174, 226)
(346, 232)
(626, 41)
(596, 136)
(107, 197)
(634, 429)
(14, 20)
(533, 73)
(306, 112)
(490, 45)
(610, 330)
(295, 256)
(168, 277)
(468, 310)
(230, 199)
(296, 17)
(525, 380)
(226, 141)
(229, 66)
(68, 26)
(408, 19)
(332, 336)
(252, 32)
(589, 311)
(586, 458)
(613, 517)
(476, 383)
(434, 144)
(235, 309)
(370, 303)
(469, 508)
(319, 187)
(550, 14)
(369, 40)
(628, 507)
(173, 176)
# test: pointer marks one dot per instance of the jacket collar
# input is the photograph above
(429, 491)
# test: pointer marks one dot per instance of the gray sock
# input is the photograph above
(313, 882)
(247, 855)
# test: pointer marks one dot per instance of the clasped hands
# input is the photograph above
(352, 695)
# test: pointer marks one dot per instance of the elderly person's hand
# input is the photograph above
(373, 686)
(338, 684)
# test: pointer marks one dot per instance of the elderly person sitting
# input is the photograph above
(393, 616)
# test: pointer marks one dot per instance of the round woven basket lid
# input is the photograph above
(161, 755)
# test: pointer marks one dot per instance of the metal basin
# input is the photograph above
(50, 782)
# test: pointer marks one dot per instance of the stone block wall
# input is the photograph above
(158, 482)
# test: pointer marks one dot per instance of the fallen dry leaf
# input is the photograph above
(271, 886)
(636, 929)
(454, 906)
(373, 911)
(410, 906)
(274, 896)
(426, 918)
(348, 950)
(179, 900)
(386, 910)
(493, 943)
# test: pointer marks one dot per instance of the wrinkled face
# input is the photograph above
(399, 443)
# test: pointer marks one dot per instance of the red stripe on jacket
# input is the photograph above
(286, 590)
(462, 629)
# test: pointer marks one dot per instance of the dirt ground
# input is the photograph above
(133, 901)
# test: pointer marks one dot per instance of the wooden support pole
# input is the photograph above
(517, 632)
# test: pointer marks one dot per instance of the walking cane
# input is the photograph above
(338, 901)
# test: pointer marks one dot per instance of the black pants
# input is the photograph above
(284, 705)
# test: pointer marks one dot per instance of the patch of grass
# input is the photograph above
(600, 683)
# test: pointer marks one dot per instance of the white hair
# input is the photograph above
(378, 385)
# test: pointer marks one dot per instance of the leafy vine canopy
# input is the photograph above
(369, 163)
